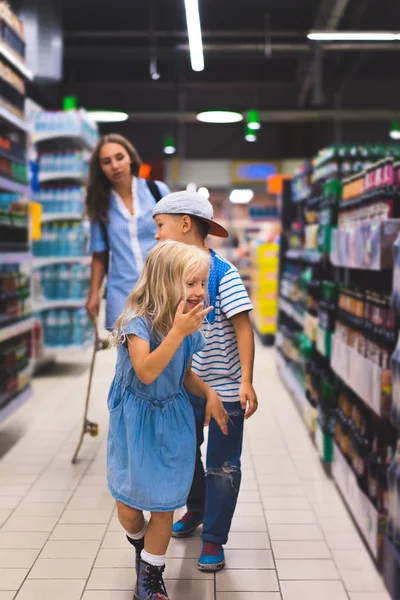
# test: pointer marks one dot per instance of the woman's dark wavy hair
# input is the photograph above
(98, 189)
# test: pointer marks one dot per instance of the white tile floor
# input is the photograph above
(59, 537)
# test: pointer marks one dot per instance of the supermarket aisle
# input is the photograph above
(59, 536)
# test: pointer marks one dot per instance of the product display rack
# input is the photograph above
(16, 322)
(61, 260)
(353, 329)
(391, 556)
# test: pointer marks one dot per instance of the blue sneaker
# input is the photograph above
(212, 557)
(189, 523)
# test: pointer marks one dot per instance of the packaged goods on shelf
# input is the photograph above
(12, 89)
(62, 128)
(14, 228)
(347, 337)
(61, 199)
(63, 163)
(62, 239)
(15, 301)
(301, 182)
(61, 276)
(16, 322)
(264, 289)
(15, 367)
(11, 30)
(66, 328)
(62, 281)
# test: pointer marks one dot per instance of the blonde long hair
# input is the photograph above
(161, 286)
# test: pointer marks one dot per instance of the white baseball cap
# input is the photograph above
(192, 204)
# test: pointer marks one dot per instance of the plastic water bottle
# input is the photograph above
(64, 337)
(63, 283)
(52, 327)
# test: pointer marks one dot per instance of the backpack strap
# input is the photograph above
(154, 189)
(104, 231)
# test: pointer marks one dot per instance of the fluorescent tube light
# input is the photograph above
(353, 36)
(219, 116)
(194, 34)
(107, 116)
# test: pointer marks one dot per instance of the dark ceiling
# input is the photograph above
(256, 56)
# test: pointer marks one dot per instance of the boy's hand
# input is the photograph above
(216, 410)
(187, 323)
(248, 399)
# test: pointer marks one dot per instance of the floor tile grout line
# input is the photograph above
(99, 548)
(294, 408)
(266, 523)
(72, 493)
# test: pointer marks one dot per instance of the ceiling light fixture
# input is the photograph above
(250, 135)
(169, 145)
(203, 191)
(194, 34)
(241, 196)
(107, 116)
(353, 36)
(253, 119)
(219, 116)
(395, 130)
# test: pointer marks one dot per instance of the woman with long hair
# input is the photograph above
(119, 204)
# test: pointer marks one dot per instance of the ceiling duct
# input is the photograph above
(44, 41)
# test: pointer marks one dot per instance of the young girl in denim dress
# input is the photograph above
(152, 433)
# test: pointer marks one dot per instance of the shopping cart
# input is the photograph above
(89, 426)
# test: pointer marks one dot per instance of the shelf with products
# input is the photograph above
(61, 256)
(80, 176)
(290, 309)
(264, 289)
(14, 226)
(391, 563)
(15, 365)
(16, 322)
(370, 522)
(62, 130)
(53, 260)
(351, 218)
(48, 217)
(10, 331)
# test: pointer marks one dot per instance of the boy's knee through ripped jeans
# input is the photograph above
(216, 491)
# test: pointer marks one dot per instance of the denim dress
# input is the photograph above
(152, 434)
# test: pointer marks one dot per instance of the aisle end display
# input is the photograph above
(16, 322)
(63, 141)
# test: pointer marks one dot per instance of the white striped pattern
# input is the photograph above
(131, 238)
(219, 364)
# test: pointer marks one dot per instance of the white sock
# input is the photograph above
(139, 534)
(157, 560)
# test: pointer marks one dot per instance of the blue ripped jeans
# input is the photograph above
(215, 492)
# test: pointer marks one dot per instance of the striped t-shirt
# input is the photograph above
(219, 364)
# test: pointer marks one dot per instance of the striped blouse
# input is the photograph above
(131, 237)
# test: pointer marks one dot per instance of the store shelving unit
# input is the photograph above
(15, 261)
(368, 224)
(76, 176)
(53, 134)
(43, 261)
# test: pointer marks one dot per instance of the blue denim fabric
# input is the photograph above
(151, 444)
(216, 492)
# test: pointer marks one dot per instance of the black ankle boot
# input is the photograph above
(139, 546)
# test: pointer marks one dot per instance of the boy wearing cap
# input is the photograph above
(226, 364)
